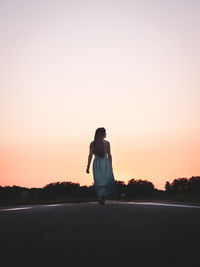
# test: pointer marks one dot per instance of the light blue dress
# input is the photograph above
(104, 181)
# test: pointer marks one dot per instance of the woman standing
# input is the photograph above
(104, 182)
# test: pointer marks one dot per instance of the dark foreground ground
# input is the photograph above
(89, 234)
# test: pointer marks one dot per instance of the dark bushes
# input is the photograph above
(184, 185)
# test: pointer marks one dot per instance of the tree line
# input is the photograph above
(184, 185)
(68, 190)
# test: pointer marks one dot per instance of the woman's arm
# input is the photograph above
(109, 153)
(90, 157)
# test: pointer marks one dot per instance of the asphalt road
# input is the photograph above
(90, 234)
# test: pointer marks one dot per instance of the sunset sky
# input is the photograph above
(68, 67)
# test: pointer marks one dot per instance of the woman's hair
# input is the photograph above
(98, 142)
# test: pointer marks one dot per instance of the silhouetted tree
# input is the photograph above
(194, 184)
(184, 185)
(140, 187)
(180, 185)
(168, 187)
(121, 188)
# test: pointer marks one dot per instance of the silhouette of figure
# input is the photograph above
(104, 181)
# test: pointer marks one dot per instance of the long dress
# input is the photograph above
(104, 181)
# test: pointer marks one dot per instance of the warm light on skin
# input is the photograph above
(70, 67)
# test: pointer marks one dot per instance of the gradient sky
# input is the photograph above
(69, 67)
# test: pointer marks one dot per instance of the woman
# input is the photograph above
(104, 182)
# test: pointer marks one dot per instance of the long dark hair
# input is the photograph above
(98, 142)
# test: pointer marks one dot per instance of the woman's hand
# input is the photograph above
(87, 170)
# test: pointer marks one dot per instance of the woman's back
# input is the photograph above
(105, 149)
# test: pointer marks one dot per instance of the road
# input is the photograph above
(90, 234)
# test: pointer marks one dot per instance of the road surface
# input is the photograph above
(90, 234)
